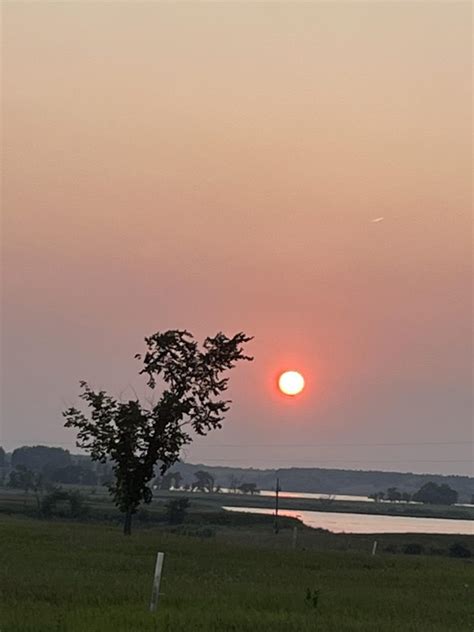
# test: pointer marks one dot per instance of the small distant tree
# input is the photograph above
(23, 478)
(3, 457)
(393, 494)
(134, 436)
(63, 503)
(204, 481)
(164, 482)
(169, 480)
(435, 494)
(406, 497)
(177, 480)
(234, 483)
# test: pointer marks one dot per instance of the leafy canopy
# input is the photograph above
(135, 436)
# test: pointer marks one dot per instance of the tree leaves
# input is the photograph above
(135, 437)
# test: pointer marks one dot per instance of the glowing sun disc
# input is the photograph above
(291, 382)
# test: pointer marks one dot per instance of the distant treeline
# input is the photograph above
(330, 481)
(60, 466)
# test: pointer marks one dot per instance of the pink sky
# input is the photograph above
(218, 167)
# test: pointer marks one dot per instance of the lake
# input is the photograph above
(366, 523)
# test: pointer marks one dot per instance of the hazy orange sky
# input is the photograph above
(217, 166)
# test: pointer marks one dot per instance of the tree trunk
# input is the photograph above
(127, 524)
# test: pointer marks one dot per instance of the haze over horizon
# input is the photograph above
(300, 172)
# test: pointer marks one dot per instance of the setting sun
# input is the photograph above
(291, 382)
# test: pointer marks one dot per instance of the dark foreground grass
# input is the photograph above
(88, 578)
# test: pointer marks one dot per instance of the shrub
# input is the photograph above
(61, 502)
(459, 550)
(413, 549)
(437, 551)
(197, 532)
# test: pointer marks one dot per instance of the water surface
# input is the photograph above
(366, 523)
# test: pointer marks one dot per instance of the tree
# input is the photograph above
(135, 436)
(406, 496)
(393, 494)
(25, 479)
(63, 503)
(234, 483)
(2, 457)
(204, 481)
(22, 478)
(40, 458)
(435, 494)
(169, 480)
(177, 480)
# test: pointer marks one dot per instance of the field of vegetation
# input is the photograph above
(99, 504)
(70, 576)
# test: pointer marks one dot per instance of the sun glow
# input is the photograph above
(291, 382)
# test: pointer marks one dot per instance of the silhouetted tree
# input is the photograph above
(164, 482)
(393, 494)
(169, 480)
(406, 497)
(204, 481)
(22, 478)
(435, 494)
(62, 502)
(134, 436)
(2, 457)
(177, 480)
(25, 479)
(40, 458)
(234, 483)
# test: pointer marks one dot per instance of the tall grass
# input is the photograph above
(87, 577)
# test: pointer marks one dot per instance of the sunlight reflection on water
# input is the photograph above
(365, 523)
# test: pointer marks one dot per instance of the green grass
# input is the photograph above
(88, 577)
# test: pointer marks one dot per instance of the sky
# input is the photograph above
(218, 167)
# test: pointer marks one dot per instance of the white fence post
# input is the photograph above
(156, 581)
(374, 547)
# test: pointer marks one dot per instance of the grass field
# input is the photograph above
(88, 577)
